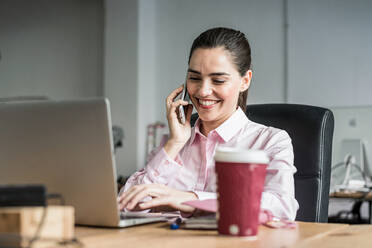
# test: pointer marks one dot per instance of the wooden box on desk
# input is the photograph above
(18, 225)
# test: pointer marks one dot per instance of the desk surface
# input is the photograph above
(159, 235)
(352, 236)
(352, 194)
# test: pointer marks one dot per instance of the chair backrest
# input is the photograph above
(311, 131)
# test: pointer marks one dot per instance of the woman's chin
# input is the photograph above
(207, 117)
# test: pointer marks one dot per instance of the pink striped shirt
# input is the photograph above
(193, 169)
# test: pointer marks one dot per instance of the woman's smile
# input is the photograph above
(207, 103)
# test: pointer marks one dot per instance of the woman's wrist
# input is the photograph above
(192, 195)
(188, 196)
(173, 148)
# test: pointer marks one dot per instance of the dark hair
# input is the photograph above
(233, 41)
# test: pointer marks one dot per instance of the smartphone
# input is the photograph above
(181, 109)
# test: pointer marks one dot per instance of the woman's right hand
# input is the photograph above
(178, 133)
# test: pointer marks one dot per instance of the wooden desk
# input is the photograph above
(159, 235)
(353, 236)
(352, 195)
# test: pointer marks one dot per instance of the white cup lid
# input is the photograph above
(240, 155)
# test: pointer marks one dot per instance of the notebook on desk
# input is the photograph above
(68, 147)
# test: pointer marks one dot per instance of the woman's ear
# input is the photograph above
(246, 81)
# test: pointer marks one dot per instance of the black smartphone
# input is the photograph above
(181, 109)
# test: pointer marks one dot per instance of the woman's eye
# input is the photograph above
(219, 81)
(194, 78)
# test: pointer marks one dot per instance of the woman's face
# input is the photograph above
(214, 84)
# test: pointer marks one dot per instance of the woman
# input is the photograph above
(182, 167)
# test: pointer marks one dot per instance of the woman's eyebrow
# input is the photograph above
(193, 71)
(211, 74)
(219, 74)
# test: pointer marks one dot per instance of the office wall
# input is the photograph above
(330, 51)
(121, 76)
(147, 88)
(51, 48)
(329, 58)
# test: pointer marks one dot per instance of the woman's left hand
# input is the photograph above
(162, 196)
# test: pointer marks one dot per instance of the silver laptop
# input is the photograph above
(68, 147)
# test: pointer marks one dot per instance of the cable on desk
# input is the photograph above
(75, 241)
(41, 223)
(39, 227)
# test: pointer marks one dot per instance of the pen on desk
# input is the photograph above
(176, 224)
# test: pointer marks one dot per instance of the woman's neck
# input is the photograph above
(207, 126)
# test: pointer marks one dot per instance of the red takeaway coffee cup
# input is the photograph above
(240, 179)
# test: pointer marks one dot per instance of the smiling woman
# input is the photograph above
(182, 168)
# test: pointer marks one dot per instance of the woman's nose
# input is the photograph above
(205, 89)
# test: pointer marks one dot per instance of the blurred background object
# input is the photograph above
(118, 135)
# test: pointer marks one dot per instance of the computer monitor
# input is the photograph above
(352, 143)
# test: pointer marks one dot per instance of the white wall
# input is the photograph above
(329, 57)
(120, 76)
(147, 60)
(51, 48)
(330, 52)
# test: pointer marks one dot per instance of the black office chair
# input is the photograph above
(311, 130)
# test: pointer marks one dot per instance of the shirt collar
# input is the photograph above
(195, 131)
(233, 125)
(227, 129)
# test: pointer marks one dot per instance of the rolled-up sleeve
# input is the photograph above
(278, 195)
(160, 169)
